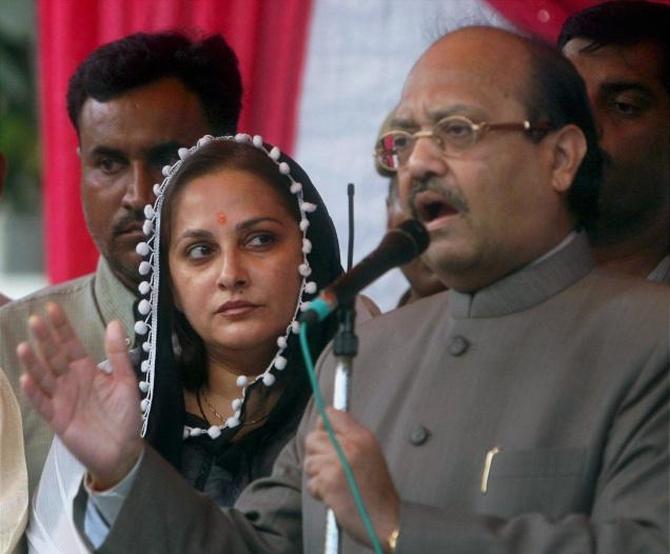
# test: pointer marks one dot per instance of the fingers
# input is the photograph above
(321, 465)
(317, 442)
(40, 375)
(70, 342)
(40, 401)
(323, 473)
(56, 343)
(334, 417)
(117, 350)
(315, 463)
(314, 490)
(47, 348)
(345, 427)
(341, 421)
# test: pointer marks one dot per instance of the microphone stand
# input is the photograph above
(345, 348)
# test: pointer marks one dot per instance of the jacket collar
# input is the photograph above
(529, 286)
(114, 300)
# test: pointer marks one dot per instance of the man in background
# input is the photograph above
(133, 103)
(622, 51)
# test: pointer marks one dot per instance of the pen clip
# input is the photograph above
(488, 462)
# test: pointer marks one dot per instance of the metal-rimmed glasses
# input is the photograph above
(453, 134)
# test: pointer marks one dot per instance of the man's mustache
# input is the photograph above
(452, 197)
(129, 221)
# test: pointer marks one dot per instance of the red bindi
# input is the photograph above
(221, 218)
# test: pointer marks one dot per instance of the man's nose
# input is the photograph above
(426, 159)
(424, 162)
(139, 191)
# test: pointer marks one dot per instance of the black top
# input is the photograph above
(221, 468)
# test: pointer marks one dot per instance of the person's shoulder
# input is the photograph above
(624, 305)
(62, 292)
(620, 288)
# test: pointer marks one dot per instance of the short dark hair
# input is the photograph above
(206, 67)
(556, 93)
(622, 22)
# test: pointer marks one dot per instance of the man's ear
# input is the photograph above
(568, 151)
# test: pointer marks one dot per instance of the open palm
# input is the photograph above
(95, 413)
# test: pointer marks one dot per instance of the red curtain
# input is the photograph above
(543, 18)
(269, 38)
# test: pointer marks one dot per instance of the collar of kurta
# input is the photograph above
(529, 286)
(114, 300)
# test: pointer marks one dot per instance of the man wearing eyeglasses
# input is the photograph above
(525, 410)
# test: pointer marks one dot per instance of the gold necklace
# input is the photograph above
(218, 415)
(212, 408)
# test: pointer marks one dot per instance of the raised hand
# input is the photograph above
(96, 414)
(326, 480)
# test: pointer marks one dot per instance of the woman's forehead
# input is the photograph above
(224, 193)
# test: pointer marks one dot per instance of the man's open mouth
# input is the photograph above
(431, 206)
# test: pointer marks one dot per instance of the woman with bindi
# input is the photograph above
(238, 242)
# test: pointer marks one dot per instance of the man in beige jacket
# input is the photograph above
(133, 103)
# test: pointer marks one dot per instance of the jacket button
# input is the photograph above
(458, 345)
(418, 435)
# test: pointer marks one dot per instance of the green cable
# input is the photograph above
(348, 473)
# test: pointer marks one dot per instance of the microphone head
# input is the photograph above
(415, 237)
(399, 246)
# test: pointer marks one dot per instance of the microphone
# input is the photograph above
(399, 246)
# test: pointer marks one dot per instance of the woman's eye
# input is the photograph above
(260, 240)
(197, 251)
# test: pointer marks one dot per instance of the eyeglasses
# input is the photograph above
(453, 134)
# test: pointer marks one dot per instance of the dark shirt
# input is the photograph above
(222, 468)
